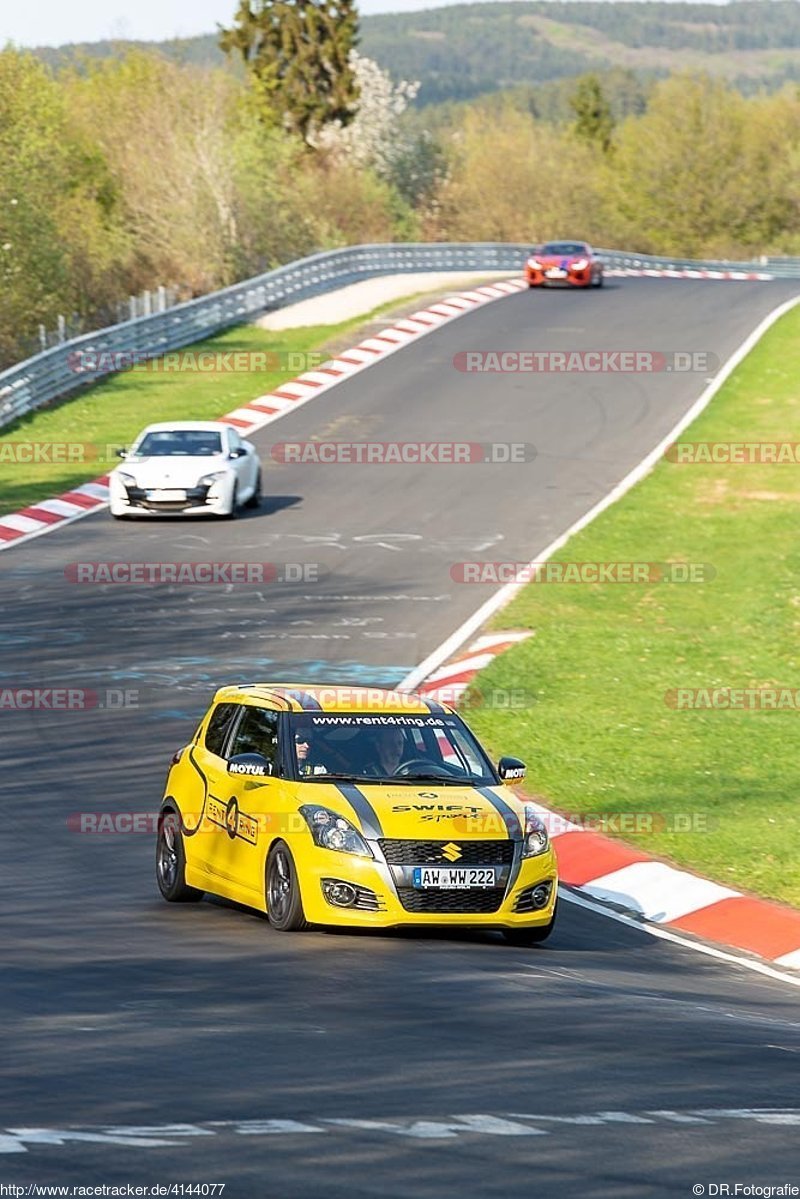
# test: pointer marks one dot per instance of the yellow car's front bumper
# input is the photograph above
(391, 906)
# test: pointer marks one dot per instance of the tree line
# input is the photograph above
(124, 173)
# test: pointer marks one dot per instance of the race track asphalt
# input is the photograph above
(118, 1011)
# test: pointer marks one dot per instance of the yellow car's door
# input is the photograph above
(251, 794)
(197, 783)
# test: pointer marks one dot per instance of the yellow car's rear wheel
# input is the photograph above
(171, 860)
(284, 902)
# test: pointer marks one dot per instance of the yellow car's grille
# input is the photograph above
(475, 899)
(441, 853)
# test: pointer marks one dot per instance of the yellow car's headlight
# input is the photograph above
(332, 831)
(536, 840)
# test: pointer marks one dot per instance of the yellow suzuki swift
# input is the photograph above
(355, 807)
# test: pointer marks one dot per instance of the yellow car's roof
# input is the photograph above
(320, 697)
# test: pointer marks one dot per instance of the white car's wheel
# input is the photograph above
(255, 498)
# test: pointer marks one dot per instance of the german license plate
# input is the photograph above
(166, 497)
(555, 272)
(454, 878)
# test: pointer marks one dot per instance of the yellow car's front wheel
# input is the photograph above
(284, 902)
(531, 936)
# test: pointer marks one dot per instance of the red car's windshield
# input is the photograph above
(565, 247)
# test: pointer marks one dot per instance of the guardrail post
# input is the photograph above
(62, 328)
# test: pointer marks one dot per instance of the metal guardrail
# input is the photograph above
(57, 372)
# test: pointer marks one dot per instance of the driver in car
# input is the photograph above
(307, 761)
(389, 750)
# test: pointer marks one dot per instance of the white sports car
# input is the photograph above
(186, 468)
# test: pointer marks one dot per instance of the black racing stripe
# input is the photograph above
(510, 817)
(434, 708)
(306, 701)
(370, 824)
(190, 832)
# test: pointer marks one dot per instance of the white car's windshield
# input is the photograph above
(387, 748)
(172, 443)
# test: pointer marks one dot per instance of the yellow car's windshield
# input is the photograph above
(387, 747)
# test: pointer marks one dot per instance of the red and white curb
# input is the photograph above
(46, 515)
(620, 875)
(448, 684)
(666, 272)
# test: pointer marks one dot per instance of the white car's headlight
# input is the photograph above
(536, 840)
(126, 480)
(210, 480)
(332, 831)
(535, 263)
(580, 264)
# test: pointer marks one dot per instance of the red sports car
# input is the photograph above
(564, 264)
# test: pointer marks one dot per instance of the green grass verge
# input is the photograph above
(110, 414)
(599, 736)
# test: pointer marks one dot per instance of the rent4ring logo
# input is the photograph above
(191, 573)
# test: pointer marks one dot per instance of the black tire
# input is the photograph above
(171, 861)
(284, 904)
(255, 498)
(598, 280)
(531, 936)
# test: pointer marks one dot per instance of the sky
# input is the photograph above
(54, 23)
